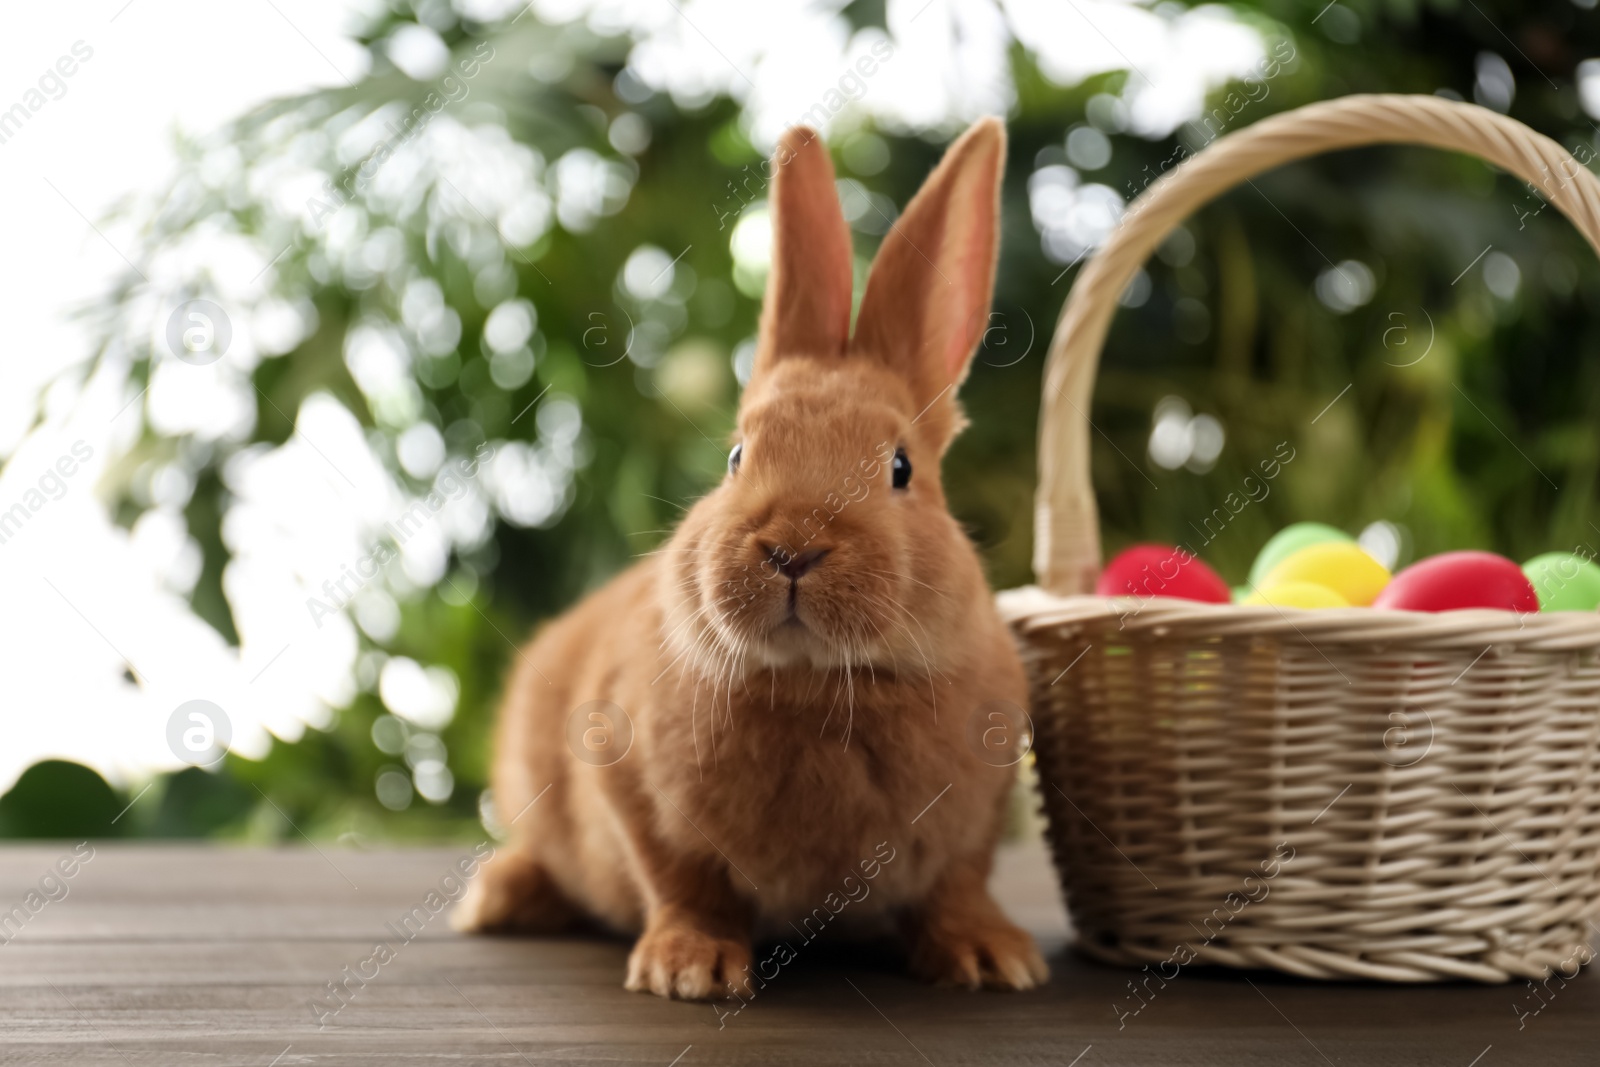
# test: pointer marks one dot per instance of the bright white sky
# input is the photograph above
(83, 598)
(157, 66)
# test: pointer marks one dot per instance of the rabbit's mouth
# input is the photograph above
(825, 602)
(791, 641)
(807, 626)
(788, 632)
(797, 628)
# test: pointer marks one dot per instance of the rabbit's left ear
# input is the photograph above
(927, 299)
(807, 306)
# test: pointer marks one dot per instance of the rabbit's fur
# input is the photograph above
(790, 733)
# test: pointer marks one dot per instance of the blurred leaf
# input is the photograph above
(57, 799)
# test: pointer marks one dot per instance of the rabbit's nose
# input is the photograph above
(796, 566)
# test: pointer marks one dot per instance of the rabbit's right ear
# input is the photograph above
(927, 301)
(807, 306)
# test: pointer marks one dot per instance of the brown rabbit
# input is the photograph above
(790, 685)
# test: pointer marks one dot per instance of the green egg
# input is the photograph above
(1289, 540)
(1564, 581)
(1241, 593)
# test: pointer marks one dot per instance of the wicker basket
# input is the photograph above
(1340, 793)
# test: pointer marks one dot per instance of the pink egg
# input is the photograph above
(1454, 580)
(1162, 570)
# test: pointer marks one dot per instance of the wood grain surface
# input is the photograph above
(175, 955)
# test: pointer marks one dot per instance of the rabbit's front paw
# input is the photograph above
(979, 952)
(676, 958)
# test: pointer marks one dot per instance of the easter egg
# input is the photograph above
(1454, 580)
(1298, 595)
(1341, 566)
(1161, 570)
(1564, 581)
(1289, 540)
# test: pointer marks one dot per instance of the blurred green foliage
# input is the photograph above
(1487, 442)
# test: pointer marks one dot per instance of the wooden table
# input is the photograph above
(176, 955)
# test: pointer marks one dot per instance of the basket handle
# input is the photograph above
(1066, 554)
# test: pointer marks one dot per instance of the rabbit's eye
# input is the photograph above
(734, 456)
(902, 469)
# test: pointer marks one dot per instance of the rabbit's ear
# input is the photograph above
(807, 305)
(927, 299)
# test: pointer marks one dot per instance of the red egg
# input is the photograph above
(1162, 570)
(1451, 581)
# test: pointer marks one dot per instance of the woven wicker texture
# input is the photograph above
(1334, 793)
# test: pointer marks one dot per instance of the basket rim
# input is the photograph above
(1030, 609)
(1067, 549)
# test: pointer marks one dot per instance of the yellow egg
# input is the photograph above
(1297, 595)
(1340, 566)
